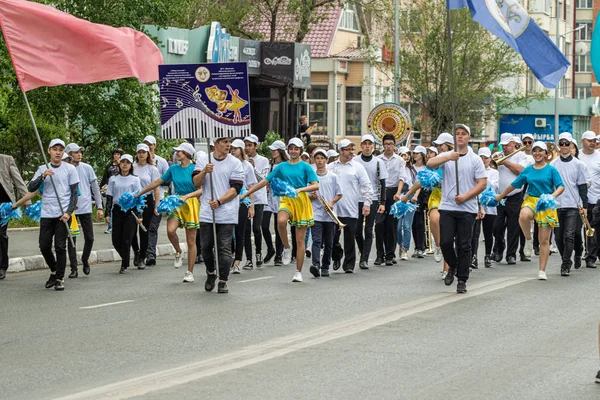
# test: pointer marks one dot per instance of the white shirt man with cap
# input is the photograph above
(507, 220)
(591, 158)
(88, 185)
(357, 188)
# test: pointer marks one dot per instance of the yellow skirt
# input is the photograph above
(544, 219)
(188, 214)
(435, 198)
(299, 209)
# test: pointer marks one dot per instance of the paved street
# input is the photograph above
(386, 333)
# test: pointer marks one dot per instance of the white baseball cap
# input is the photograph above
(517, 139)
(403, 150)
(433, 149)
(484, 152)
(186, 147)
(239, 143)
(420, 149)
(305, 154)
(566, 136)
(73, 148)
(322, 152)
(65, 156)
(296, 142)
(127, 157)
(150, 139)
(527, 135)
(506, 138)
(56, 142)
(365, 138)
(541, 145)
(332, 153)
(251, 138)
(444, 137)
(277, 145)
(466, 128)
(589, 135)
(344, 143)
(142, 147)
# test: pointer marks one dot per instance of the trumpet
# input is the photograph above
(589, 231)
(500, 160)
(330, 212)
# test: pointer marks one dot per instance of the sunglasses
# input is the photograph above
(564, 144)
(527, 142)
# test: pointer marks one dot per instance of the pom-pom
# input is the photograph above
(399, 209)
(169, 204)
(486, 198)
(34, 211)
(141, 202)
(546, 202)
(128, 201)
(429, 179)
(7, 213)
(283, 189)
(247, 202)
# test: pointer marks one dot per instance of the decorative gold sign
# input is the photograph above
(389, 118)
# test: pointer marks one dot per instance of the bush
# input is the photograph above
(270, 137)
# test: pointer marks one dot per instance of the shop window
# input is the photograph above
(316, 97)
(353, 110)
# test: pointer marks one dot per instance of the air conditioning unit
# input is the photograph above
(540, 122)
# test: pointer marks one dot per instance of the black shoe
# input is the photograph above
(590, 264)
(536, 251)
(497, 257)
(51, 281)
(598, 377)
(577, 264)
(150, 261)
(511, 260)
(248, 266)
(269, 255)
(461, 287)
(389, 263)
(524, 258)
(308, 253)
(474, 263)
(487, 262)
(259, 261)
(209, 285)
(136, 258)
(378, 261)
(337, 264)
(73, 274)
(394, 261)
(59, 285)
(122, 270)
(363, 265)
(349, 271)
(278, 261)
(222, 288)
(2, 274)
(86, 268)
(449, 277)
(325, 272)
(315, 271)
(199, 259)
(565, 271)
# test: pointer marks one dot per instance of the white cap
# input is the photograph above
(466, 128)
(344, 143)
(65, 156)
(239, 143)
(541, 145)
(199, 154)
(186, 147)
(73, 148)
(277, 145)
(251, 138)
(56, 142)
(367, 137)
(506, 138)
(527, 135)
(305, 154)
(403, 150)
(296, 142)
(332, 153)
(517, 139)
(127, 157)
(322, 152)
(432, 148)
(150, 139)
(589, 135)
(566, 136)
(142, 147)
(444, 138)
(420, 149)
(484, 152)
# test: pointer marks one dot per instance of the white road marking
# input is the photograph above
(279, 347)
(106, 304)
(256, 279)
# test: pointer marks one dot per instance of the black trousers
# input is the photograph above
(349, 246)
(418, 229)
(322, 236)
(54, 228)
(365, 242)
(87, 226)
(570, 222)
(124, 225)
(266, 232)
(224, 234)
(387, 230)
(255, 226)
(592, 242)
(488, 233)
(147, 216)
(240, 233)
(456, 232)
(4, 247)
(508, 219)
(153, 235)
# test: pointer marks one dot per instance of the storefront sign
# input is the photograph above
(287, 62)
(177, 46)
(250, 52)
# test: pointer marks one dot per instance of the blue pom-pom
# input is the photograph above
(429, 179)
(546, 202)
(169, 204)
(399, 209)
(141, 202)
(7, 213)
(283, 189)
(34, 211)
(247, 202)
(486, 198)
(127, 201)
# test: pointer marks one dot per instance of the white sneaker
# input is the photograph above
(553, 249)
(528, 250)
(189, 277)
(542, 276)
(297, 276)
(178, 262)
(404, 255)
(235, 269)
(437, 256)
(287, 257)
(444, 273)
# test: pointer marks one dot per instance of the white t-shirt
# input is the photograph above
(493, 181)
(592, 162)
(147, 174)
(329, 187)
(507, 177)
(249, 177)
(225, 170)
(356, 186)
(64, 176)
(371, 168)
(470, 168)
(573, 173)
(162, 165)
(119, 184)
(86, 177)
(262, 167)
(396, 170)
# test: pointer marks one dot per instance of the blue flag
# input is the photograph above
(595, 51)
(508, 20)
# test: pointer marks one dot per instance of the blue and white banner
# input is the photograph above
(509, 21)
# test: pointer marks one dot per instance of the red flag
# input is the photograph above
(49, 48)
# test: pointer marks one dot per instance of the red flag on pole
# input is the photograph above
(49, 48)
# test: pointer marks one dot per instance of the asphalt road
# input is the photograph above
(386, 333)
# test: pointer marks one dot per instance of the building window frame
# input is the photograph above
(584, 4)
(583, 63)
(584, 34)
(349, 19)
(317, 108)
(583, 91)
(353, 110)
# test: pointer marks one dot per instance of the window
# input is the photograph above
(566, 87)
(532, 83)
(568, 52)
(583, 91)
(316, 97)
(349, 19)
(583, 63)
(353, 110)
(585, 33)
(584, 3)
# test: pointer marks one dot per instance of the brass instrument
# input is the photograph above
(428, 234)
(500, 160)
(589, 231)
(552, 152)
(330, 212)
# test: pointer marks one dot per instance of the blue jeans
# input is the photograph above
(405, 229)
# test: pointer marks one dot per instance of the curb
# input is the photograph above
(37, 228)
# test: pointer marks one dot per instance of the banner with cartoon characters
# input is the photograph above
(204, 100)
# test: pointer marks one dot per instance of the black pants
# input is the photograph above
(569, 221)
(87, 226)
(456, 231)
(4, 247)
(147, 216)
(322, 236)
(255, 227)
(365, 242)
(592, 242)
(267, 233)
(508, 219)
(153, 235)
(124, 225)
(387, 229)
(418, 229)
(349, 246)
(54, 228)
(240, 233)
(224, 233)
(488, 234)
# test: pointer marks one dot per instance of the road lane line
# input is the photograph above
(279, 347)
(256, 279)
(106, 304)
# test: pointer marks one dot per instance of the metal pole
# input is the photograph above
(451, 73)
(396, 52)
(47, 166)
(556, 89)
(214, 223)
